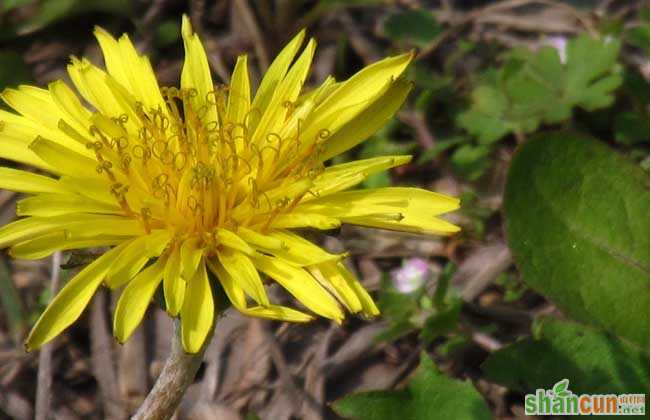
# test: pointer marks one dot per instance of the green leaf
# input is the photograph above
(10, 301)
(485, 119)
(395, 330)
(577, 223)
(471, 161)
(54, 11)
(441, 145)
(393, 304)
(417, 27)
(532, 88)
(13, 70)
(593, 361)
(12, 4)
(590, 76)
(380, 145)
(645, 164)
(644, 13)
(168, 33)
(637, 86)
(442, 322)
(378, 180)
(640, 37)
(429, 395)
(514, 289)
(631, 127)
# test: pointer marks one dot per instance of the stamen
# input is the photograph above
(202, 166)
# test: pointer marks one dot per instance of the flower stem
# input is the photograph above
(176, 376)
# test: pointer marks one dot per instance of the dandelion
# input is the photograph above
(181, 182)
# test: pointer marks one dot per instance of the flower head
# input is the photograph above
(181, 182)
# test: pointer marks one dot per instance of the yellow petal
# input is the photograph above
(297, 250)
(230, 285)
(132, 70)
(116, 65)
(320, 93)
(259, 240)
(75, 113)
(237, 297)
(197, 315)
(368, 305)
(287, 91)
(111, 99)
(46, 245)
(191, 254)
(173, 283)
(27, 182)
(303, 219)
(70, 302)
(330, 277)
(240, 267)
(62, 159)
(395, 208)
(16, 133)
(413, 223)
(135, 299)
(382, 200)
(34, 103)
(196, 72)
(301, 285)
(42, 116)
(274, 74)
(368, 121)
(239, 94)
(96, 189)
(340, 177)
(135, 256)
(230, 239)
(90, 224)
(278, 313)
(47, 205)
(354, 95)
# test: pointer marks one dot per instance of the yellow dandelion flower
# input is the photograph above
(180, 182)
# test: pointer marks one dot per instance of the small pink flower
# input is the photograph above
(411, 276)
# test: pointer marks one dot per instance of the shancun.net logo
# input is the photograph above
(560, 401)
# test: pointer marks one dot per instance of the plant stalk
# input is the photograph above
(176, 376)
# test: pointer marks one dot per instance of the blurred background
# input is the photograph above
(484, 83)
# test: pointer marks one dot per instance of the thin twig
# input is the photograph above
(416, 120)
(228, 326)
(102, 360)
(16, 406)
(480, 269)
(176, 376)
(133, 370)
(486, 341)
(313, 405)
(253, 29)
(44, 386)
(499, 6)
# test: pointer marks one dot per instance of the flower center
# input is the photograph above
(194, 168)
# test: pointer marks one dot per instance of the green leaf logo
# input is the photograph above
(560, 389)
